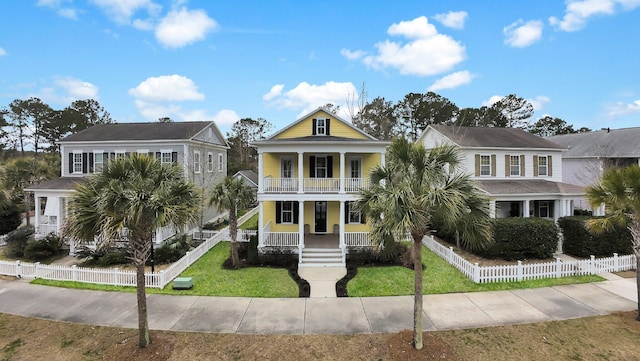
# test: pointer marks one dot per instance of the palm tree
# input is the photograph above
(231, 194)
(413, 189)
(22, 172)
(619, 191)
(136, 196)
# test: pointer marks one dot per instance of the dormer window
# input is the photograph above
(321, 126)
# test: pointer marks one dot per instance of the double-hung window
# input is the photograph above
(165, 157)
(514, 165)
(77, 163)
(286, 214)
(196, 162)
(321, 126)
(485, 165)
(98, 161)
(543, 168)
(220, 162)
(210, 162)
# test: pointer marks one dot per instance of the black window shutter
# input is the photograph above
(312, 166)
(174, 157)
(278, 212)
(158, 155)
(105, 160)
(313, 128)
(112, 155)
(70, 162)
(363, 219)
(84, 162)
(347, 205)
(296, 211)
(326, 122)
(329, 166)
(90, 162)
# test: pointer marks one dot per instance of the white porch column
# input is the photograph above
(260, 172)
(557, 209)
(260, 224)
(382, 159)
(342, 215)
(61, 214)
(492, 208)
(563, 209)
(342, 172)
(300, 225)
(300, 172)
(37, 203)
(525, 208)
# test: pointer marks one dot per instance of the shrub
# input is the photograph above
(38, 250)
(10, 218)
(252, 250)
(522, 238)
(172, 250)
(579, 242)
(17, 241)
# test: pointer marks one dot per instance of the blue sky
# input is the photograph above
(225, 60)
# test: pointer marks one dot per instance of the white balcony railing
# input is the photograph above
(280, 185)
(45, 229)
(313, 185)
(281, 239)
(355, 184)
(321, 185)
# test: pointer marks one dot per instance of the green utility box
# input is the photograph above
(183, 283)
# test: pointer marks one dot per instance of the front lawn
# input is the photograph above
(438, 277)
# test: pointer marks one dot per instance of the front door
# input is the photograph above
(321, 217)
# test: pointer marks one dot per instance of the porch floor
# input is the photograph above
(321, 241)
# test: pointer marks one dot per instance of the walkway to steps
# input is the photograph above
(322, 280)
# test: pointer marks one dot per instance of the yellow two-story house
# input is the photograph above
(309, 175)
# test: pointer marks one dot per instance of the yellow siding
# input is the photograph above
(271, 164)
(304, 128)
(309, 215)
(333, 217)
(269, 212)
(357, 227)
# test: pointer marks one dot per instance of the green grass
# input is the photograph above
(210, 279)
(439, 277)
(251, 223)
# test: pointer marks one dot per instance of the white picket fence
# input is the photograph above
(115, 276)
(3, 241)
(521, 272)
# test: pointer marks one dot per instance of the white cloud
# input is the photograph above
(68, 13)
(167, 88)
(426, 53)
(2, 52)
(275, 91)
(307, 97)
(579, 11)
(76, 88)
(539, 102)
(226, 117)
(520, 34)
(452, 19)
(65, 12)
(621, 108)
(121, 11)
(352, 55)
(452, 80)
(492, 100)
(145, 25)
(183, 27)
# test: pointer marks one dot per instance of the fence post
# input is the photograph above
(520, 271)
(74, 272)
(558, 267)
(18, 269)
(116, 277)
(37, 270)
(476, 273)
(593, 265)
(616, 263)
(162, 281)
(450, 254)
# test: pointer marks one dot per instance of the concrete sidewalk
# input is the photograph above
(319, 315)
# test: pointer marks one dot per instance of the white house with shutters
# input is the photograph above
(198, 147)
(519, 172)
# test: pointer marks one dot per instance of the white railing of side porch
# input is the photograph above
(45, 229)
(355, 184)
(357, 239)
(279, 239)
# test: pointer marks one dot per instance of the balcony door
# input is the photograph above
(320, 217)
(286, 173)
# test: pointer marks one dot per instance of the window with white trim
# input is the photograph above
(98, 161)
(77, 163)
(543, 209)
(354, 215)
(210, 162)
(321, 126)
(196, 162)
(120, 154)
(485, 165)
(321, 167)
(165, 157)
(543, 165)
(514, 165)
(355, 167)
(286, 167)
(286, 212)
(220, 162)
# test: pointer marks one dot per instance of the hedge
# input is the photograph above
(522, 238)
(579, 242)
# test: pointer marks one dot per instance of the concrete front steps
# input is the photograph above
(321, 257)
(322, 268)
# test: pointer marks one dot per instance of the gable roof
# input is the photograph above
(248, 175)
(331, 115)
(529, 186)
(484, 137)
(609, 143)
(141, 131)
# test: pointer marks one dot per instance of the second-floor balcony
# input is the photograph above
(314, 185)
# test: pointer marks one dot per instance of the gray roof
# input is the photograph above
(138, 131)
(62, 183)
(484, 137)
(533, 186)
(248, 174)
(614, 143)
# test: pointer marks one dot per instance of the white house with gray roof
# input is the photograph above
(587, 154)
(198, 147)
(519, 172)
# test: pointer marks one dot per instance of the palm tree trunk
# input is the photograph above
(417, 285)
(233, 232)
(143, 322)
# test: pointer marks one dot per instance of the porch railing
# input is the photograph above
(355, 184)
(281, 239)
(47, 228)
(357, 239)
(280, 185)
